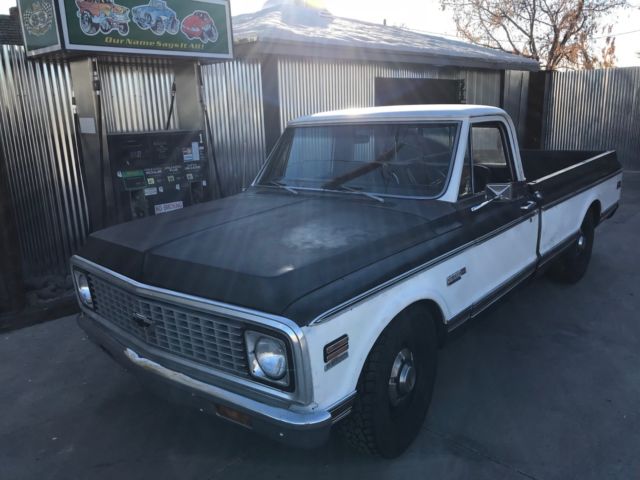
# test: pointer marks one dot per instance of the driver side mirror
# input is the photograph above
(502, 192)
(505, 192)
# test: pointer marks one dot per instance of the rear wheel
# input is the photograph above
(173, 26)
(395, 387)
(574, 263)
(87, 25)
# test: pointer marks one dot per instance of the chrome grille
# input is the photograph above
(206, 339)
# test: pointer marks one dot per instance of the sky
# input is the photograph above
(427, 16)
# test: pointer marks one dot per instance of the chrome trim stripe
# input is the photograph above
(492, 297)
(506, 287)
(349, 303)
(580, 191)
(342, 408)
(452, 161)
(554, 252)
(359, 193)
(572, 167)
(265, 412)
(609, 212)
(304, 385)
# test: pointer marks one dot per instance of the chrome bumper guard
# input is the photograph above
(300, 429)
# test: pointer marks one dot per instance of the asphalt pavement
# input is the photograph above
(546, 385)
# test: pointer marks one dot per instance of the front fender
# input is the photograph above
(363, 323)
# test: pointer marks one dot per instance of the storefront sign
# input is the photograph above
(39, 26)
(183, 28)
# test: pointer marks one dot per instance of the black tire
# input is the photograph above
(573, 264)
(158, 27)
(376, 426)
(87, 25)
(174, 25)
(106, 26)
(123, 29)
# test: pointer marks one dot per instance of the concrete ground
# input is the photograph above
(544, 386)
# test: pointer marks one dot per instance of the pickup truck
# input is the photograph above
(320, 296)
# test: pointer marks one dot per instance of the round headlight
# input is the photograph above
(271, 356)
(84, 292)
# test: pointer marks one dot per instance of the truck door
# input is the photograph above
(504, 234)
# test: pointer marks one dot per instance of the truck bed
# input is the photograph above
(557, 174)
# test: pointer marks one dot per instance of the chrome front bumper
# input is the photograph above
(300, 429)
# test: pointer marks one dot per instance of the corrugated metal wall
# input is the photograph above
(136, 94)
(38, 140)
(311, 86)
(38, 136)
(516, 94)
(233, 92)
(137, 97)
(595, 110)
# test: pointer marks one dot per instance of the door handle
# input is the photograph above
(530, 205)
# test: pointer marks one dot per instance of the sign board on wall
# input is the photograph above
(39, 26)
(175, 28)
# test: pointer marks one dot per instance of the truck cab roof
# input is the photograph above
(408, 113)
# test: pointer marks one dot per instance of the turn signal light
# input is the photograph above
(234, 416)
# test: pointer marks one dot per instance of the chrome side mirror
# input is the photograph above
(502, 192)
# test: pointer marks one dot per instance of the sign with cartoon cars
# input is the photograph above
(200, 25)
(102, 16)
(169, 28)
(157, 17)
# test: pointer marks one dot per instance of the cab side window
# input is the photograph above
(490, 155)
(486, 160)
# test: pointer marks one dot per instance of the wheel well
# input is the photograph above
(434, 310)
(595, 210)
(420, 307)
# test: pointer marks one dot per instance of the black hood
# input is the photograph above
(266, 250)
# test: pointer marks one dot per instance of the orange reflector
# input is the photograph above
(233, 415)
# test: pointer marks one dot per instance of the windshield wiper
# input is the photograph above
(359, 192)
(289, 189)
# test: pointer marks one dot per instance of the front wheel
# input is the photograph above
(395, 387)
(158, 27)
(573, 264)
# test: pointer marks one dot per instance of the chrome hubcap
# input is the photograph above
(403, 377)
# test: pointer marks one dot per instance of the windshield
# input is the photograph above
(393, 159)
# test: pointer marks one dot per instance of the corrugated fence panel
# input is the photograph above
(38, 140)
(595, 110)
(233, 92)
(136, 94)
(516, 91)
(483, 87)
(311, 86)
